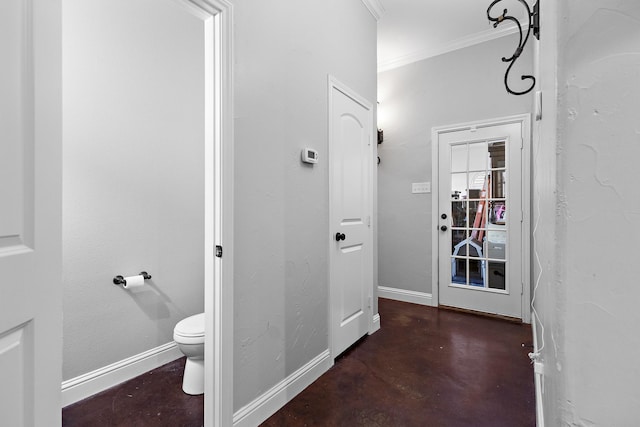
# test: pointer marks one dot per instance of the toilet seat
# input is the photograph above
(190, 330)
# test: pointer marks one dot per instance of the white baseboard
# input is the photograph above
(270, 402)
(405, 295)
(538, 378)
(93, 382)
(375, 324)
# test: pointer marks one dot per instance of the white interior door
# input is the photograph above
(30, 213)
(480, 219)
(351, 254)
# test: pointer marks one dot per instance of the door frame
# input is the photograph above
(217, 16)
(525, 123)
(334, 83)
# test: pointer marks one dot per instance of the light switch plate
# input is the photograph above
(420, 187)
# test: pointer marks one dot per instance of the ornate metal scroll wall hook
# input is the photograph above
(532, 25)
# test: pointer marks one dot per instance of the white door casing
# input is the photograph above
(217, 19)
(350, 199)
(498, 250)
(218, 404)
(30, 212)
(217, 16)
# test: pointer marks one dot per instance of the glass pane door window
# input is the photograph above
(480, 218)
(478, 215)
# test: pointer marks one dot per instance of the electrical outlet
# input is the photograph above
(420, 187)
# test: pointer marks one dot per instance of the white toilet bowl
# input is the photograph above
(189, 335)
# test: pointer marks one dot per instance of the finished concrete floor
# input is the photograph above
(425, 367)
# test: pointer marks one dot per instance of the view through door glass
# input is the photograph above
(478, 215)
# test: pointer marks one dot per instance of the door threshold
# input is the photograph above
(481, 313)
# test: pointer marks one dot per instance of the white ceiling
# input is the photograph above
(412, 30)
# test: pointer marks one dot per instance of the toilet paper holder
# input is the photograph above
(120, 280)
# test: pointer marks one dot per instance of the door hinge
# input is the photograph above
(369, 221)
(370, 302)
(218, 251)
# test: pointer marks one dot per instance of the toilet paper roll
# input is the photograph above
(133, 282)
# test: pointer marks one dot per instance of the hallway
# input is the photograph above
(424, 367)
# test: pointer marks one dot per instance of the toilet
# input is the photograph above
(189, 335)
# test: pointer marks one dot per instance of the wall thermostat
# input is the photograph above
(309, 155)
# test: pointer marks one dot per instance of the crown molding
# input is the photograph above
(375, 7)
(471, 40)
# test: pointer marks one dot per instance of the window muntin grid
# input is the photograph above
(478, 215)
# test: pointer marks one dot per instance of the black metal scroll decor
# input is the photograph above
(532, 25)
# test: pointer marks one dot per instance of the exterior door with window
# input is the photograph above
(480, 213)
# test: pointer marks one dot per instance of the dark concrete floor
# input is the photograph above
(152, 399)
(425, 367)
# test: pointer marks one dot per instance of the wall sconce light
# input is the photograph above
(533, 24)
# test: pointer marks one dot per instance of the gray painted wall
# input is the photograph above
(284, 50)
(588, 211)
(133, 177)
(460, 86)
